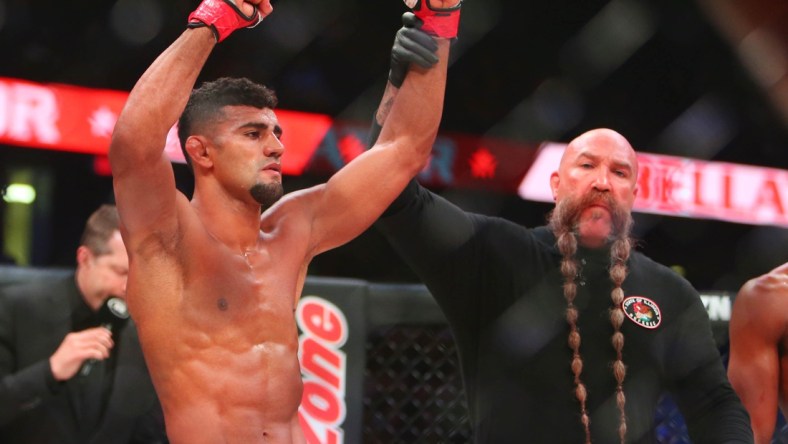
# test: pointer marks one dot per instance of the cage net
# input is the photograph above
(412, 387)
(413, 390)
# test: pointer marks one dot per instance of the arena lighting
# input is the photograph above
(19, 193)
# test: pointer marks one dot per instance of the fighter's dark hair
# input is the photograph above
(206, 102)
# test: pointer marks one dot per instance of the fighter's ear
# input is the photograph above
(555, 180)
(197, 149)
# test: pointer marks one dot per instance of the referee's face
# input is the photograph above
(599, 169)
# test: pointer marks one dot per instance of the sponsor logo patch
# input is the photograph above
(642, 311)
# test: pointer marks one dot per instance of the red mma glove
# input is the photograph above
(438, 21)
(223, 17)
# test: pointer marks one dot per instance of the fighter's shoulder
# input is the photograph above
(293, 201)
(761, 303)
(769, 286)
(294, 211)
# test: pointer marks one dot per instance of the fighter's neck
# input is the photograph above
(233, 224)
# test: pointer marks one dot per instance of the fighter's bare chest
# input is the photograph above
(230, 284)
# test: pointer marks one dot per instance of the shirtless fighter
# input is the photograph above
(758, 366)
(214, 281)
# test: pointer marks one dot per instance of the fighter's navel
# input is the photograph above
(222, 304)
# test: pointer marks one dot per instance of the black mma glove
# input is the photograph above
(411, 45)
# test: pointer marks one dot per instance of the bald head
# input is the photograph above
(597, 177)
(601, 139)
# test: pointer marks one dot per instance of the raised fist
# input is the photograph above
(225, 16)
(434, 4)
(441, 17)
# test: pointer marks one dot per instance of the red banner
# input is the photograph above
(70, 118)
(684, 187)
(57, 117)
(81, 120)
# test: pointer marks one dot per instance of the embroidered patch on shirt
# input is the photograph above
(642, 311)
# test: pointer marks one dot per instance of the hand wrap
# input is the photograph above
(439, 22)
(223, 17)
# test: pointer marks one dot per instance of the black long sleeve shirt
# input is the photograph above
(500, 287)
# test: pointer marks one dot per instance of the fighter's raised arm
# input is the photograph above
(377, 176)
(143, 178)
(214, 281)
(411, 46)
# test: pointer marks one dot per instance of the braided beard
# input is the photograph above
(564, 222)
(565, 217)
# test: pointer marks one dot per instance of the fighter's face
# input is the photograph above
(249, 158)
(598, 178)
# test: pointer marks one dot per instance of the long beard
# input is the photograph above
(564, 222)
(565, 217)
(266, 194)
